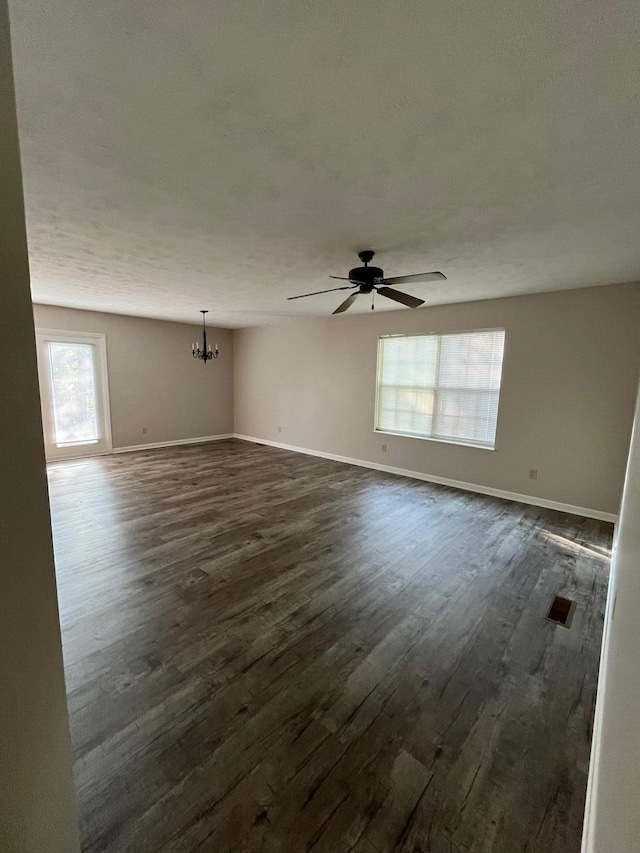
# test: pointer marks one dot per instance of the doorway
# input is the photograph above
(72, 368)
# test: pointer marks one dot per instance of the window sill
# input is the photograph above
(437, 440)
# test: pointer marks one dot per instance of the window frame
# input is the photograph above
(421, 437)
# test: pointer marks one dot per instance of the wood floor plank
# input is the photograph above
(273, 652)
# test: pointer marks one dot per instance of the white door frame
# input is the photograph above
(98, 341)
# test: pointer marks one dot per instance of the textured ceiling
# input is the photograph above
(226, 155)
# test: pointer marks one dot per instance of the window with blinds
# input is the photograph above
(444, 387)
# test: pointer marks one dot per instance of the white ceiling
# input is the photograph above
(226, 155)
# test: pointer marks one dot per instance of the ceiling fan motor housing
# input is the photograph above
(366, 275)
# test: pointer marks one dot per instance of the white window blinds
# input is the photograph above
(441, 386)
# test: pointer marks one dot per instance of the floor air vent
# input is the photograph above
(561, 611)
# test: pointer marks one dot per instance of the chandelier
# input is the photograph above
(204, 353)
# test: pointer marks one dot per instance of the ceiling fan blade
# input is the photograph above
(316, 292)
(348, 302)
(397, 296)
(342, 278)
(421, 276)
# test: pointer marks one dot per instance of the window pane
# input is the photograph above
(73, 391)
(471, 360)
(469, 415)
(405, 409)
(409, 361)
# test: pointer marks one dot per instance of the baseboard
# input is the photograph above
(155, 444)
(442, 481)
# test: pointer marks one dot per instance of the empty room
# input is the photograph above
(320, 482)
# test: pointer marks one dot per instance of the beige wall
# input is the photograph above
(566, 407)
(37, 810)
(612, 817)
(153, 380)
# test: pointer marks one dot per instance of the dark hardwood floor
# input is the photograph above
(267, 651)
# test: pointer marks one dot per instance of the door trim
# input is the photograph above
(99, 341)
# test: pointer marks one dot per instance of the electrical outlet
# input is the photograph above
(383, 448)
(533, 473)
(144, 430)
(279, 429)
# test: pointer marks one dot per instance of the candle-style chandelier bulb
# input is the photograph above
(206, 353)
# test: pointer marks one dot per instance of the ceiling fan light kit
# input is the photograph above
(371, 280)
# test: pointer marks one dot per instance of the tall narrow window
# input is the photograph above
(74, 392)
(443, 387)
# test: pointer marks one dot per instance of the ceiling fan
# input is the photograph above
(371, 280)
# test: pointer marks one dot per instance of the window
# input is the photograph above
(444, 387)
(73, 393)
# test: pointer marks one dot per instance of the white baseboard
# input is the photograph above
(442, 481)
(155, 444)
